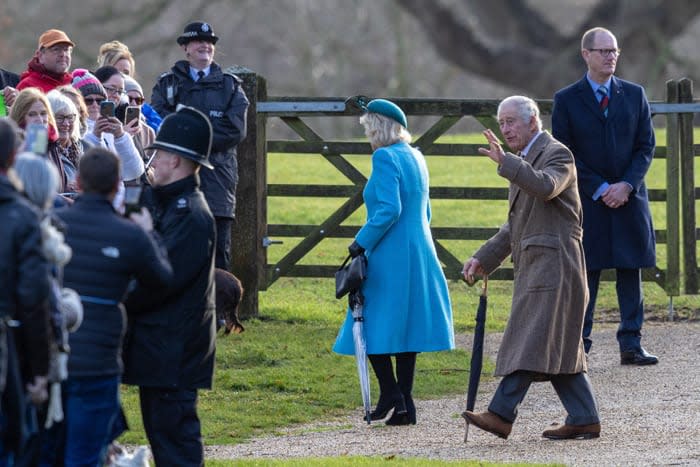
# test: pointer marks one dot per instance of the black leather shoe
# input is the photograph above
(638, 357)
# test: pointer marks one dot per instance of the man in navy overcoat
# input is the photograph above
(606, 122)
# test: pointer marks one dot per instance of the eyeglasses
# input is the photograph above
(65, 118)
(93, 100)
(136, 100)
(116, 91)
(607, 52)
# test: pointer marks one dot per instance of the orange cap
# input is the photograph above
(52, 37)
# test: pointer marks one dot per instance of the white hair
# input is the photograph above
(526, 108)
(61, 103)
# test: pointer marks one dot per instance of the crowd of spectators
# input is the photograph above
(91, 275)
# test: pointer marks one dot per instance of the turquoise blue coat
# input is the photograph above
(407, 305)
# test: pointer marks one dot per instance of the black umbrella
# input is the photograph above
(477, 355)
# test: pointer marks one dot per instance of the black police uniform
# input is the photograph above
(221, 98)
(170, 342)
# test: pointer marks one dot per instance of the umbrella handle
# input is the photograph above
(484, 290)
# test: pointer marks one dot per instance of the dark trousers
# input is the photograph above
(630, 300)
(574, 391)
(223, 243)
(172, 426)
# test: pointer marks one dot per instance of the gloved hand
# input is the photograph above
(355, 249)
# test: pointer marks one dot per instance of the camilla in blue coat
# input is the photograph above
(407, 306)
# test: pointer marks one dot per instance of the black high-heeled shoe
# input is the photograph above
(399, 418)
(404, 418)
(385, 404)
(411, 409)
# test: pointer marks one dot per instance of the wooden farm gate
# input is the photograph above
(253, 235)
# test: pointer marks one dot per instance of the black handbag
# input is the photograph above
(349, 276)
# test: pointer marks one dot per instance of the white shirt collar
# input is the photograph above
(527, 148)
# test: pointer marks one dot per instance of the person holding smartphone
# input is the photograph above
(142, 134)
(105, 129)
(32, 113)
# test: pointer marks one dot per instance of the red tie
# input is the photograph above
(603, 91)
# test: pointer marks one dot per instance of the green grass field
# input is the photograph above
(281, 370)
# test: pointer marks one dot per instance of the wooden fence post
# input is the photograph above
(672, 285)
(690, 263)
(248, 254)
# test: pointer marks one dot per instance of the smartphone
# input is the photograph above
(3, 107)
(107, 109)
(132, 199)
(36, 138)
(132, 112)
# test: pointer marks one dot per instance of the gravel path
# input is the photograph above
(650, 416)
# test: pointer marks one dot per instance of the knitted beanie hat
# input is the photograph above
(130, 84)
(87, 84)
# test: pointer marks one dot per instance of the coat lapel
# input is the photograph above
(538, 147)
(533, 154)
(617, 94)
(588, 99)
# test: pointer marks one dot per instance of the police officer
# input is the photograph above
(199, 82)
(169, 348)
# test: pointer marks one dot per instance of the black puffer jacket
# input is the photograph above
(171, 336)
(24, 279)
(108, 252)
(220, 97)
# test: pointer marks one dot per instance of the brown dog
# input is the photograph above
(229, 292)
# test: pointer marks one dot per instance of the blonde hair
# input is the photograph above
(25, 99)
(383, 131)
(111, 52)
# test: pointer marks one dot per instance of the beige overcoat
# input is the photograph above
(544, 236)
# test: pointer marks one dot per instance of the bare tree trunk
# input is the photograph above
(511, 43)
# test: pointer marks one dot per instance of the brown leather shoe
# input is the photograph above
(574, 432)
(489, 421)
